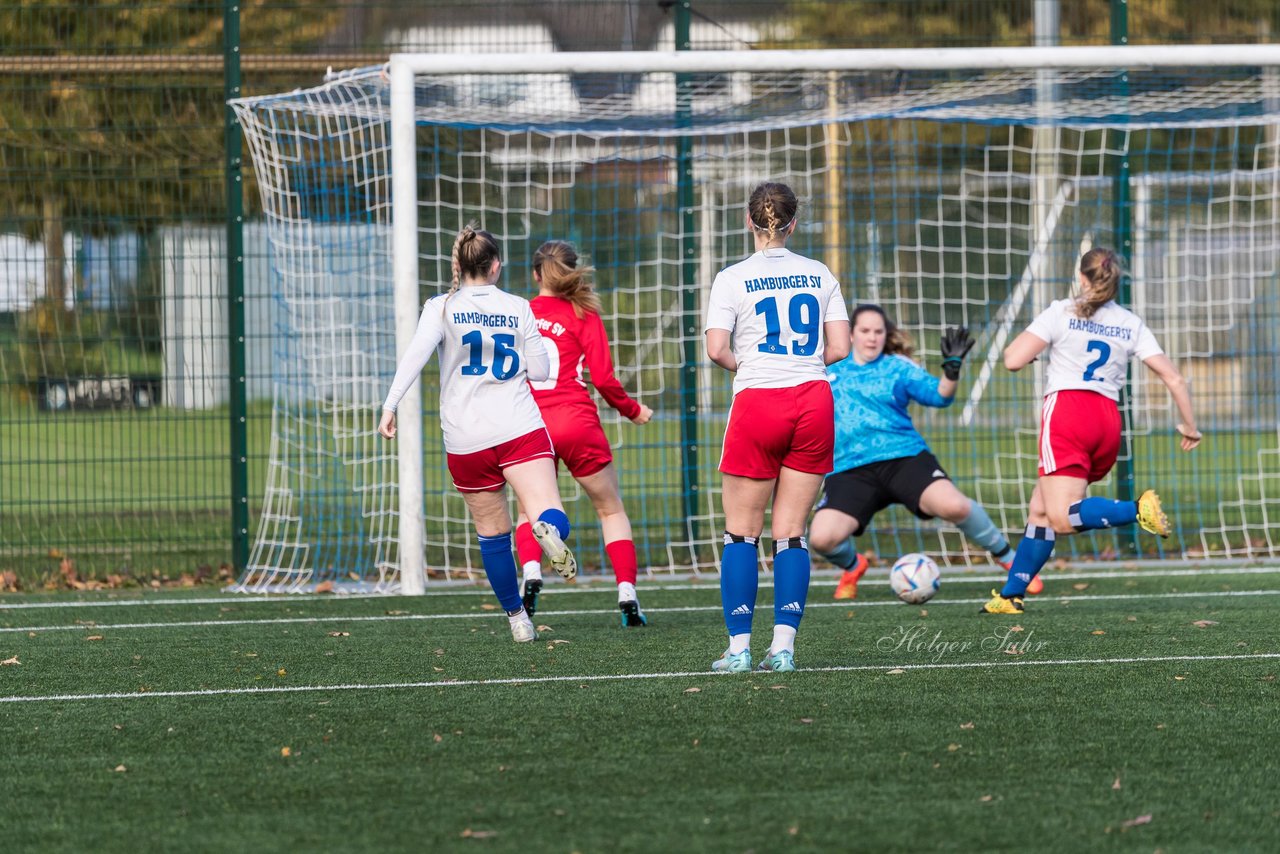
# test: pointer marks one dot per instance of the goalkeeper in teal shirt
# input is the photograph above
(880, 457)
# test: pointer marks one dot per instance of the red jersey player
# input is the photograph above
(568, 315)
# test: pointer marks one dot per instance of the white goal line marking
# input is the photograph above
(471, 615)
(625, 677)
(950, 576)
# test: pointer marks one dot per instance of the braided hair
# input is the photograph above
(772, 208)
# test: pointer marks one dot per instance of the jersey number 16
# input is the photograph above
(506, 359)
(806, 327)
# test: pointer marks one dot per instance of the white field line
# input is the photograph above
(953, 576)
(391, 618)
(627, 677)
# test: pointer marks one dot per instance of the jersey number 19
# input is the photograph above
(806, 327)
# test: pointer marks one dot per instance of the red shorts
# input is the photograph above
(774, 427)
(1079, 435)
(481, 471)
(578, 438)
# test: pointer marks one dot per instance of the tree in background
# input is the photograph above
(956, 23)
(93, 142)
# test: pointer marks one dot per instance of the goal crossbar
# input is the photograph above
(901, 59)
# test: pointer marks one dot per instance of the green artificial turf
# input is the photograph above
(911, 729)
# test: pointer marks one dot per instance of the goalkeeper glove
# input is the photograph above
(956, 344)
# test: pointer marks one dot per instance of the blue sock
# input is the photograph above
(790, 580)
(739, 581)
(1033, 553)
(981, 531)
(1093, 513)
(844, 555)
(500, 566)
(558, 520)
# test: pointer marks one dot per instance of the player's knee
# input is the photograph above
(1060, 523)
(955, 509)
(822, 540)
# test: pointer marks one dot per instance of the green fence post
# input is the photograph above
(235, 291)
(1121, 215)
(689, 285)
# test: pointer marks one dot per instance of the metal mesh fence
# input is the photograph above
(128, 442)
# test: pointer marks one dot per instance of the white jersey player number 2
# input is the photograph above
(804, 316)
(1103, 349)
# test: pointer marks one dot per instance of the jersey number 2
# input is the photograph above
(506, 361)
(1103, 349)
(802, 312)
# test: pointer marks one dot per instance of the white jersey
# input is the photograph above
(489, 348)
(1092, 353)
(775, 304)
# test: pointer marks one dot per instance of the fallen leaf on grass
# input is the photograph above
(324, 587)
(545, 629)
(952, 747)
(286, 752)
(1115, 787)
(897, 671)
(120, 769)
(1016, 629)
(1097, 632)
(94, 638)
(1013, 650)
(468, 833)
(967, 725)
(396, 613)
(488, 606)
(1134, 822)
(559, 641)
(1201, 624)
(693, 690)
(8, 662)
(777, 687)
(339, 634)
(438, 669)
(986, 799)
(437, 737)
(806, 720)
(1080, 586)
(1179, 678)
(438, 651)
(793, 830)
(280, 672)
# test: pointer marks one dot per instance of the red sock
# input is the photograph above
(527, 545)
(622, 554)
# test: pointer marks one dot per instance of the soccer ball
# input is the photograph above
(914, 578)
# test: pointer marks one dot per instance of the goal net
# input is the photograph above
(951, 187)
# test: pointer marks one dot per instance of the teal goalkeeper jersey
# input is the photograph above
(872, 423)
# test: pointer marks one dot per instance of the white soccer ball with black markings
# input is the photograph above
(915, 578)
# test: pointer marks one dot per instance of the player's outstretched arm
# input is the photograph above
(426, 338)
(1023, 351)
(1168, 373)
(595, 347)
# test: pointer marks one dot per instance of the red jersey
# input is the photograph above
(576, 343)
